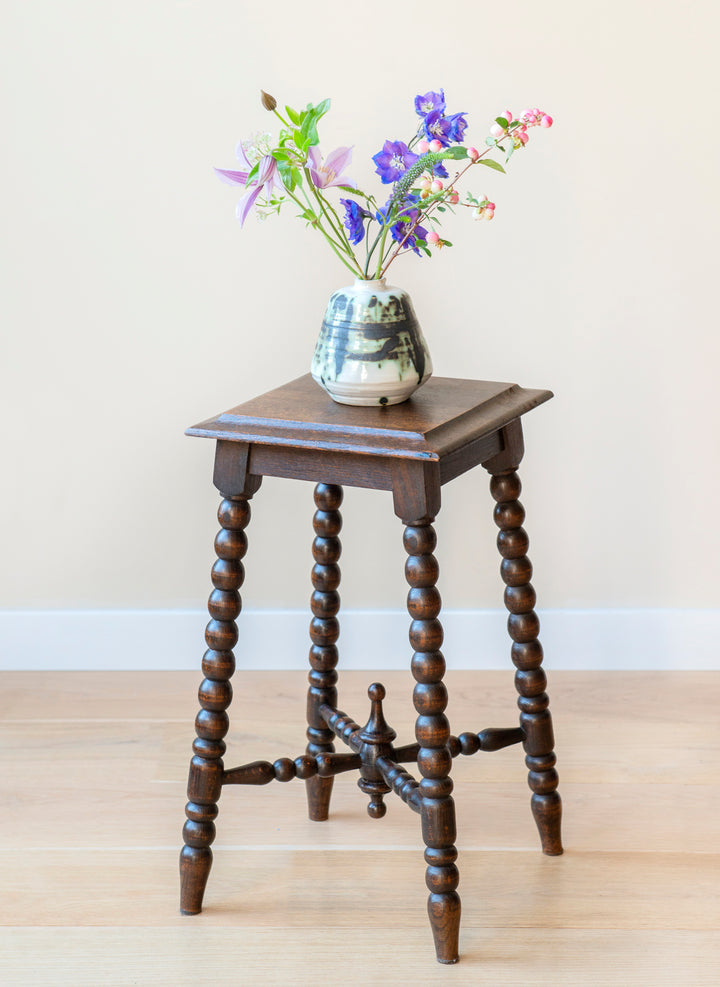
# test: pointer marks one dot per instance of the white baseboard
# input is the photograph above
(32, 640)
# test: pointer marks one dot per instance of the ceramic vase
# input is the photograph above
(371, 350)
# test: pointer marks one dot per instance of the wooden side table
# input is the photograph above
(446, 428)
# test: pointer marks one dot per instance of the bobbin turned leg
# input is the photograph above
(432, 732)
(324, 631)
(215, 694)
(527, 653)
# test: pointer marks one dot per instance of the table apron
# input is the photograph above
(358, 470)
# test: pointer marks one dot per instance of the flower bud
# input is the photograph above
(436, 186)
(423, 147)
(268, 101)
(546, 121)
(433, 238)
(453, 198)
(496, 130)
(435, 146)
(473, 153)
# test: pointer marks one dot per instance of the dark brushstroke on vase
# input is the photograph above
(401, 334)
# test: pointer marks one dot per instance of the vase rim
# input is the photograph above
(370, 282)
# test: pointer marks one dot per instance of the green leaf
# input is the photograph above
(489, 163)
(490, 141)
(503, 122)
(456, 152)
(322, 108)
(510, 151)
(441, 209)
(309, 216)
(446, 243)
(253, 172)
(293, 115)
(287, 175)
(280, 154)
(308, 130)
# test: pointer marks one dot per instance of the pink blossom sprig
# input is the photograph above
(504, 128)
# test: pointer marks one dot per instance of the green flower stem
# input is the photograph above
(331, 216)
(411, 230)
(341, 242)
(347, 251)
(418, 136)
(354, 268)
(370, 252)
(282, 119)
(317, 224)
(379, 271)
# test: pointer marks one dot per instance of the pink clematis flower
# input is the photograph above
(327, 173)
(267, 177)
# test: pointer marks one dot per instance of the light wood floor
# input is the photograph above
(94, 766)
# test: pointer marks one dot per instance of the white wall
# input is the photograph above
(135, 305)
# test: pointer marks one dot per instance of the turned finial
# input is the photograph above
(377, 731)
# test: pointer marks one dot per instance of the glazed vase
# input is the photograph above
(371, 350)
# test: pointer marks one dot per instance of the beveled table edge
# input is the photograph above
(371, 440)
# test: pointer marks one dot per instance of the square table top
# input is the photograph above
(441, 416)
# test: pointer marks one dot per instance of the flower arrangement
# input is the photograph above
(294, 170)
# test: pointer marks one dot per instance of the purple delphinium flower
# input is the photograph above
(393, 161)
(438, 127)
(430, 102)
(355, 217)
(400, 230)
(329, 172)
(458, 126)
(267, 177)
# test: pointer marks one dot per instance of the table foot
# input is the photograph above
(547, 812)
(444, 914)
(318, 792)
(195, 864)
